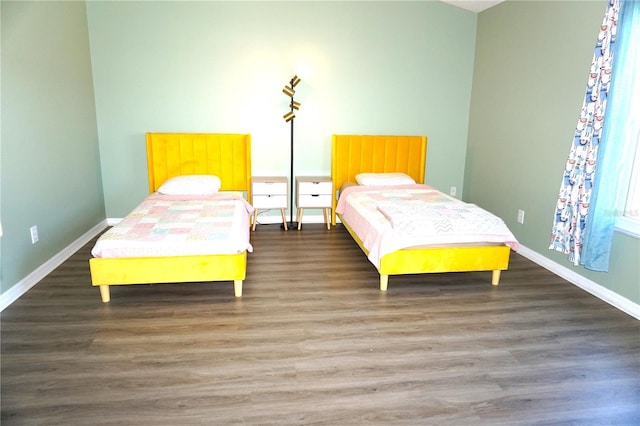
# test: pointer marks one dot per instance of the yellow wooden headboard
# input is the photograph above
(227, 156)
(353, 154)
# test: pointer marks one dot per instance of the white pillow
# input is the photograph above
(191, 185)
(384, 179)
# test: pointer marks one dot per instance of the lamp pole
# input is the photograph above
(289, 116)
(291, 223)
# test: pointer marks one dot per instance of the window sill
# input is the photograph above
(628, 226)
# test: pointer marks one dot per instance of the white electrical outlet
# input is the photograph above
(34, 234)
(453, 191)
(520, 216)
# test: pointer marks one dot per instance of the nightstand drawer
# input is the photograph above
(314, 188)
(270, 201)
(308, 200)
(270, 188)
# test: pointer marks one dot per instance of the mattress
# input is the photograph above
(180, 225)
(390, 218)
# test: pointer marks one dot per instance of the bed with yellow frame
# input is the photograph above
(227, 156)
(353, 154)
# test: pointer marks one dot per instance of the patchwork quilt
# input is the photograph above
(180, 225)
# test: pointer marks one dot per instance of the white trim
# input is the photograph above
(603, 293)
(628, 226)
(612, 298)
(22, 286)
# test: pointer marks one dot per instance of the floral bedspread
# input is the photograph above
(387, 219)
(180, 225)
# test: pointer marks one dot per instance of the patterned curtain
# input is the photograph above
(577, 184)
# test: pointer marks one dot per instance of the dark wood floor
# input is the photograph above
(313, 341)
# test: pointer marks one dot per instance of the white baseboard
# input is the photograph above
(614, 299)
(603, 293)
(22, 286)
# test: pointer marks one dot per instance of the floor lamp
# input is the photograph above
(288, 118)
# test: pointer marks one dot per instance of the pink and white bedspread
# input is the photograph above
(180, 225)
(388, 218)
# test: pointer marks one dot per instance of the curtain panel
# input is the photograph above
(598, 170)
(577, 183)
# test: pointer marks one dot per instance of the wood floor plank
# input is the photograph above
(314, 341)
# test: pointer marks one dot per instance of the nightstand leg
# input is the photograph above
(299, 217)
(255, 219)
(284, 219)
(327, 215)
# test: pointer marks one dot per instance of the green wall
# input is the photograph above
(532, 62)
(366, 67)
(50, 162)
(501, 127)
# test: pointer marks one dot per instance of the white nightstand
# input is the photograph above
(269, 192)
(314, 192)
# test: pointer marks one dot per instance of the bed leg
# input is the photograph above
(104, 293)
(495, 277)
(237, 288)
(384, 282)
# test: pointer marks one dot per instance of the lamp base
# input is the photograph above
(291, 226)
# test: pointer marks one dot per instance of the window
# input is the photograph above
(632, 208)
(629, 223)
